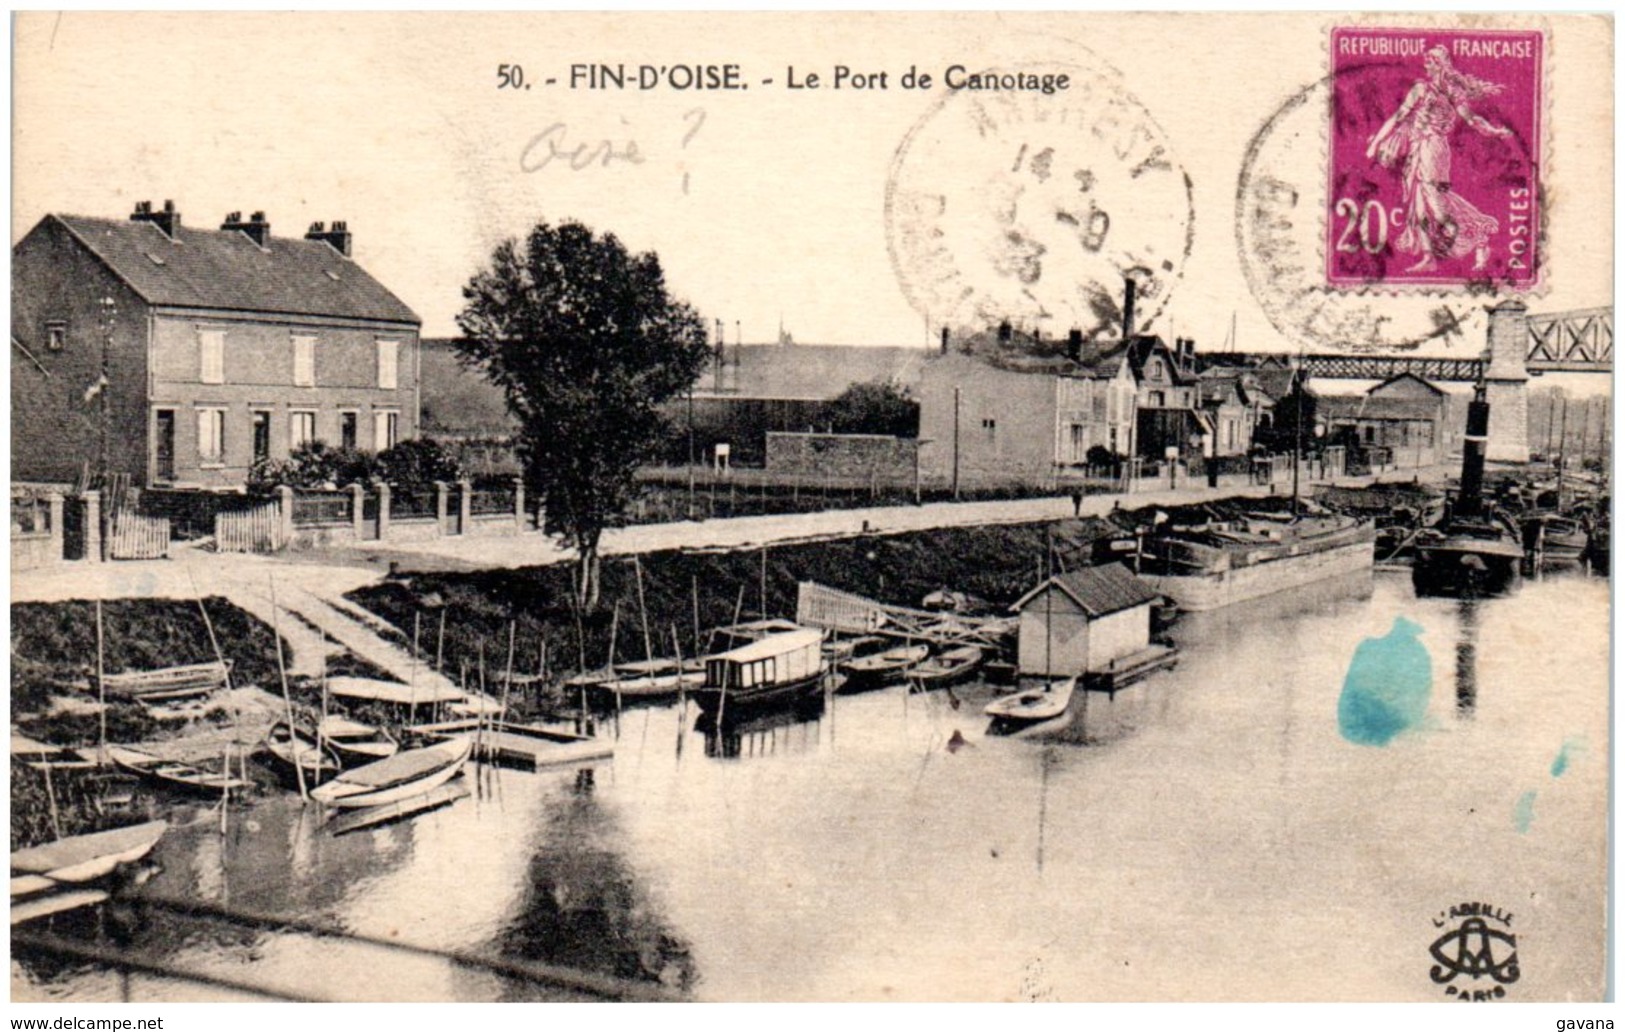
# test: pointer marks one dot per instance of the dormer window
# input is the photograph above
(1156, 370)
(56, 334)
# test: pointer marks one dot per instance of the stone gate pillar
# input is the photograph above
(1506, 383)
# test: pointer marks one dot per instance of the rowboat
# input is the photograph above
(355, 743)
(778, 667)
(653, 678)
(78, 859)
(373, 816)
(526, 745)
(948, 667)
(409, 773)
(1021, 710)
(882, 668)
(55, 903)
(173, 773)
(176, 682)
(296, 747)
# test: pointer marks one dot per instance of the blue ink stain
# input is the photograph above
(1523, 812)
(1572, 747)
(1387, 687)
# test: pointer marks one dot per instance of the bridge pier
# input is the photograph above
(1506, 383)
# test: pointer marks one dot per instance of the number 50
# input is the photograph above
(1371, 223)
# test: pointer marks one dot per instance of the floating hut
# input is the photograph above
(1088, 623)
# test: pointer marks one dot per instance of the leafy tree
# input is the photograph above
(874, 408)
(586, 343)
(418, 463)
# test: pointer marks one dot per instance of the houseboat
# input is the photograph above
(779, 667)
(1223, 562)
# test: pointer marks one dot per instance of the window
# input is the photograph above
(385, 427)
(304, 361)
(1155, 370)
(212, 348)
(301, 429)
(1155, 400)
(388, 363)
(1079, 440)
(211, 436)
(261, 423)
(347, 430)
(56, 334)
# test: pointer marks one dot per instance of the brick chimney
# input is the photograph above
(168, 220)
(338, 237)
(1074, 345)
(256, 228)
(1128, 308)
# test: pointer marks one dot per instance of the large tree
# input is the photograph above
(585, 341)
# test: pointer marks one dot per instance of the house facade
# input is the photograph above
(1235, 405)
(181, 356)
(1405, 414)
(997, 425)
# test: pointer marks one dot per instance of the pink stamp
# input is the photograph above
(1435, 158)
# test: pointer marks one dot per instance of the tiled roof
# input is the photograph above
(224, 269)
(1099, 590)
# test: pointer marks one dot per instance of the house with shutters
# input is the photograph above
(180, 356)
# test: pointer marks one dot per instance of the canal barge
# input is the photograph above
(1224, 562)
(776, 668)
(1475, 551)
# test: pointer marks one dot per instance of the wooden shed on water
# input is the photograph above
(1083, 621)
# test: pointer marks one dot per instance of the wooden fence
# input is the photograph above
(133, 536)
(259, 529)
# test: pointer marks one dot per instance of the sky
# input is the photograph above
(766, 205)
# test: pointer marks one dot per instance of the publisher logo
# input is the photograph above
(1476, 956)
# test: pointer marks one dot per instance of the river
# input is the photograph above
(1207, 834)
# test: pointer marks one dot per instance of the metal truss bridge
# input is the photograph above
(1580, 341)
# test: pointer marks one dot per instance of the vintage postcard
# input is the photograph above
(811, 507)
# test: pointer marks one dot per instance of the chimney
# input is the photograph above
(168, 220)
(1005, 332)
(338, 237)
(1470, 499)
(256, 228)
(1128, 308)
(945, 340)
(1074, 345)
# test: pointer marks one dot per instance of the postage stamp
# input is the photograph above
(1435, 158)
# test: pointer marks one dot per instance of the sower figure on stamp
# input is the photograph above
(1439, 223)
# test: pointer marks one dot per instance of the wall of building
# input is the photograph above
(1066, 652)
(1007, 422)
(841, 455)
(258, 376)
(1119, 634)
(56, 429)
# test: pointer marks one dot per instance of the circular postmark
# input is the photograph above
(1283, 232)
(1034, 207)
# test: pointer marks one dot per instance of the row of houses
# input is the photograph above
(179, 356)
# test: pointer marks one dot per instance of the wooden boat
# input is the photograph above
(55, 903)
(1554, 539)
(882, 668)
(176, 682)
(527, 745)
(295, 750)
(779, 667)
(949, 667)
(840, 650)
(78, 859)
(373, 816)
(1222, 562)
(355, 743)
(653, 678)
(1043, 702)
(173, 773)
(409, 773)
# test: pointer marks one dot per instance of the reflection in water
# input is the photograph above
(1467, 658)
(770, 861)
(582, 907)
(763, 732)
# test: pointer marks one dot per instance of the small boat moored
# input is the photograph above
(294, 753)
(355, 743)
(1032, 706)
(409, 773)
(882, 668)
(78, 859)
(173, 773)
(946, 668)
